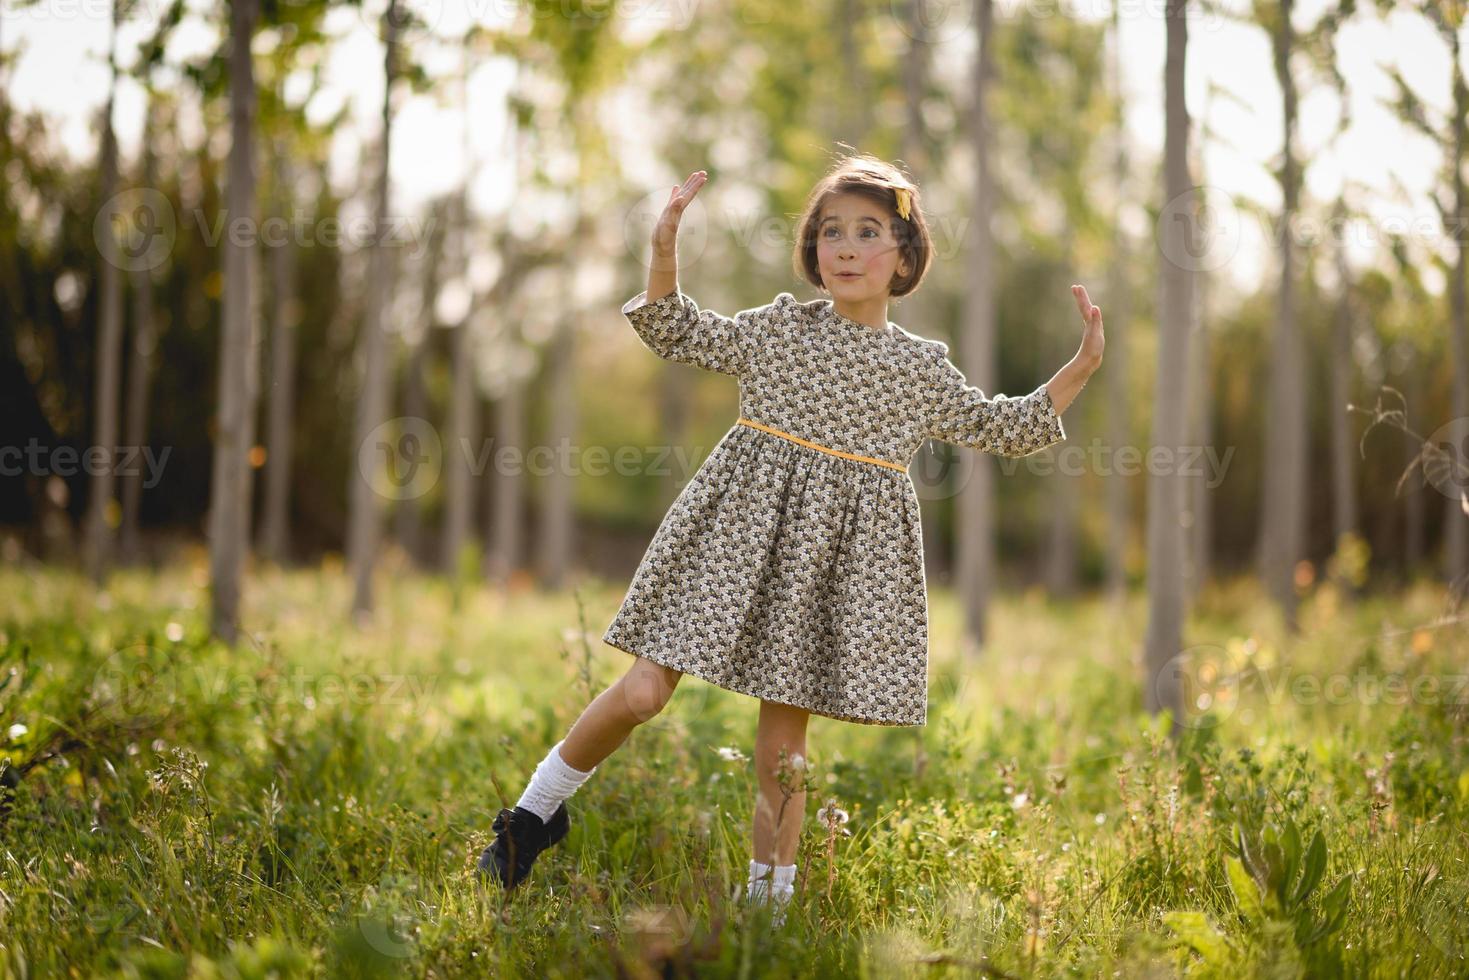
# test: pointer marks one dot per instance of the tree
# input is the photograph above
(1165, 484)
(364, 528)
(229, 508)
(1283, 493)
(1116, 379)
(974, 505)
(140, 370)
(292, 142)
(463, 427)
(109, 348)
(144, 346)
(275, 525)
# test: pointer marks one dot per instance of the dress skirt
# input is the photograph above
(791, 574)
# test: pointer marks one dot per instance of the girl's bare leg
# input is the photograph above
(781, 727)
(606, 723)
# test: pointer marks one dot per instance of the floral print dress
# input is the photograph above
(790, 567)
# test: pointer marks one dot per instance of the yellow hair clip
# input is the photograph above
(904, 202)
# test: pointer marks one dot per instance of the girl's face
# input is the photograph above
(854, 235)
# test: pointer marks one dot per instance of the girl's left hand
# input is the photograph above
(1092, 340)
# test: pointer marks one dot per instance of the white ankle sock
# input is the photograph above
(781, 883)
(551, 784)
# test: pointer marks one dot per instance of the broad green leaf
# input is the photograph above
(1246, 895)
(1290, 841)
(1315, 866)
(1253, 863)
(1275, 870)
(1193, 929)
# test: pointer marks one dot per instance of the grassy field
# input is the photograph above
(313, 801)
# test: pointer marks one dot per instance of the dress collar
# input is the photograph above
(831, 311)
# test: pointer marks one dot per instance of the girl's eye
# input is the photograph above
(864, 231)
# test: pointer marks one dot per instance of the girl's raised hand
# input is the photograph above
(1092, 340)
(665, 232)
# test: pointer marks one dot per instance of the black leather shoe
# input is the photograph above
(520, 837)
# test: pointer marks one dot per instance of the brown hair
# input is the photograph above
(878, 181)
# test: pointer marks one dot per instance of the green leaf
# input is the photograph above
(1251, 858)
(1334, 905)
(1275, 870)
(1193, 930)
(1246, 895)
(1314, 868)
(1291, 842)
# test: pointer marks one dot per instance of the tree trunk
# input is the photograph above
(364, 527)
(462, 447)
(1201, 437)
(1343, 446)
(556, 529)
(109, 356)
(139, 382)
(275, 533)
(229, 497)
(1283, 490)
(1163, 645)
(974, 504)
(919, 308)
(1456, 521)
(1200, 401)
(1116, 378)
(507, 506)
(408, 511)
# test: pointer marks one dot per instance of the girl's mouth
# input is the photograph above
(849, 275)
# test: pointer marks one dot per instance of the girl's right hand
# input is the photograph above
(665, 232)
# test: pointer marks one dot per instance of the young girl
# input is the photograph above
(790, 568)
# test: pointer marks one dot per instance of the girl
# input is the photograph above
(790, 568)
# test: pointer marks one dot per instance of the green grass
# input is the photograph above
(312, 802)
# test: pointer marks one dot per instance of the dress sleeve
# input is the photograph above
(674, 328)
(1004, 425)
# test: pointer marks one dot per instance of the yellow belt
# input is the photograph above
(826, 449)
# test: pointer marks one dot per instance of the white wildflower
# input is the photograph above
(833, 816)
(730, 754)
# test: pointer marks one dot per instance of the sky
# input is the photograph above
(62, 72)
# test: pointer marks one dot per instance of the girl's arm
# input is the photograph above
(663, 266)
(1008, 426)
(1067, 383)
(671, 324)
(1005, 425)
(674, 328)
